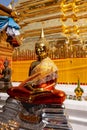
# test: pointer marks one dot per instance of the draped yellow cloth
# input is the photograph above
(47, 71)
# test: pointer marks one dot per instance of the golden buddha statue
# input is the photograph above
(39, 88)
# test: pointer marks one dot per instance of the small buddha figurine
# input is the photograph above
(39, 88)
(5, 76)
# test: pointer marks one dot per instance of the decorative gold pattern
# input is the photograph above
(10, 125)
(30, 118)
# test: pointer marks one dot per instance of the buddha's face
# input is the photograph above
(41, 51)
(6, 64)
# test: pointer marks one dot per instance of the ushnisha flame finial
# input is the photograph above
(42, 33)
(42, 40)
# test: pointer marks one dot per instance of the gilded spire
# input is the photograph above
(11, 4)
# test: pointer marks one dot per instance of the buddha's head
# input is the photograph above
(6, 63)
(41, 47)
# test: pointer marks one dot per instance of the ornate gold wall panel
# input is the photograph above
(59, 18)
